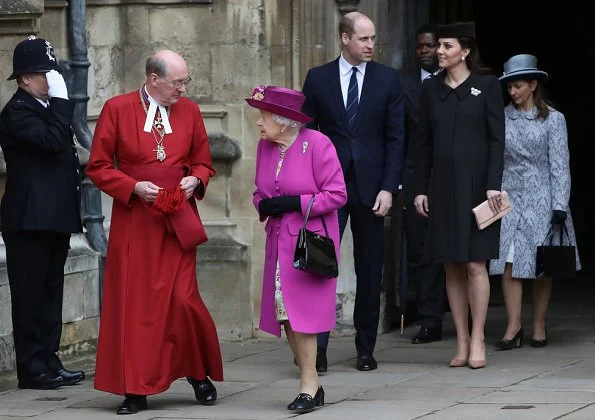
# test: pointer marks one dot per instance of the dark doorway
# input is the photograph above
(562, 37)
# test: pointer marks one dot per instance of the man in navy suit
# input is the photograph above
(427, 279)
(358, 103)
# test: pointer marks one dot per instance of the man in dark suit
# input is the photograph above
(39, 211)
(427, 279)
(358, 103)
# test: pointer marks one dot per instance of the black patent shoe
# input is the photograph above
(46, 380)
(305, 402)
(204, 390)
(515, 342)
(538, 343)
(132, 404)
(70, 377)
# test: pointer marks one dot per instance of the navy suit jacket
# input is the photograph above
(375, 144)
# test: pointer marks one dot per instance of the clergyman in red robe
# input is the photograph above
(151, 154)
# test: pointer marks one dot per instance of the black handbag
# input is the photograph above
(556, 260)
(315, 253)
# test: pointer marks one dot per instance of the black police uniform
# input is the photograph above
(39, 211)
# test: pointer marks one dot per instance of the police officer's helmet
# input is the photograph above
(33, 55)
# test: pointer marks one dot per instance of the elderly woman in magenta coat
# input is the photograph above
(294, 163)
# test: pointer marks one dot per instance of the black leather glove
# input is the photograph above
(558, 217)
(277, 206)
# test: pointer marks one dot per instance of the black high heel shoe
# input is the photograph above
(537, 343)
(515, 342)
(305, 402)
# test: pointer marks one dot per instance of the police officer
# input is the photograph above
(39, 210)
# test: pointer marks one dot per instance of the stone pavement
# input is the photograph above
(412, 381)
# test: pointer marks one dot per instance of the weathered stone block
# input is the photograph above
(223, 284)
(73, 307)
(80, 336)
(137, 25)
(7, 356)
(91, 298)
(5, 310)
(105, 75)
(193, 25)
(251, 62)
(101, 18)
(241, 189)
(251, 130)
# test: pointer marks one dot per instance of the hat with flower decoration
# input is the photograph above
(280, 101)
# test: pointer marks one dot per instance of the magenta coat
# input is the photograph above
(310, 166)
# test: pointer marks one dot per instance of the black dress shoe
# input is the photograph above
(132, 404)
(321, 362)
(70, 377)
(204, 390)
(427, 335)
(45, 380)
(366, 362)
(306, 402)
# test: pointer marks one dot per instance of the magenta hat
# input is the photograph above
(281, 101)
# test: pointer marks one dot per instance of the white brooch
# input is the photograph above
(475, 92)
(304, 147)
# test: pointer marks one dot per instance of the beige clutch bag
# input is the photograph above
(485, 217)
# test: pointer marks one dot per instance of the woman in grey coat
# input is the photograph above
(537, 179)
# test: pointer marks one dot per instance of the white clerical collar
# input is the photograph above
(153, 105)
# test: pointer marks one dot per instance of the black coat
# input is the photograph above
(375, 144)
(43, 182)
(460, 157)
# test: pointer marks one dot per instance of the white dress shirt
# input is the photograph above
(345, 76)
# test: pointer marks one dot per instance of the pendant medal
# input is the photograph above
(160, 152)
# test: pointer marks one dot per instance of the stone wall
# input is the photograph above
(230, 46)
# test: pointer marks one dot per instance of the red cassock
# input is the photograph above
(154, 326)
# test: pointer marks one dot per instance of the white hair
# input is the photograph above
(294, 125)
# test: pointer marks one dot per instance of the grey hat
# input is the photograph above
(522, 66)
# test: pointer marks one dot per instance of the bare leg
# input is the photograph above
(479, 297)
(456, 290)
(304, 350)
(513, 296)
(542, 290)
(290, 339)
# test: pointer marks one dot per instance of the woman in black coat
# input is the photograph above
(460, 164)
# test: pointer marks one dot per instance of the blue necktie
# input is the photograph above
(352, 100)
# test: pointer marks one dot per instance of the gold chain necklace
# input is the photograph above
(156, 127)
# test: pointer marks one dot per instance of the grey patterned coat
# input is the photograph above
(537, 178)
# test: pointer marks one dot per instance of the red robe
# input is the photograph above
(154, 326)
